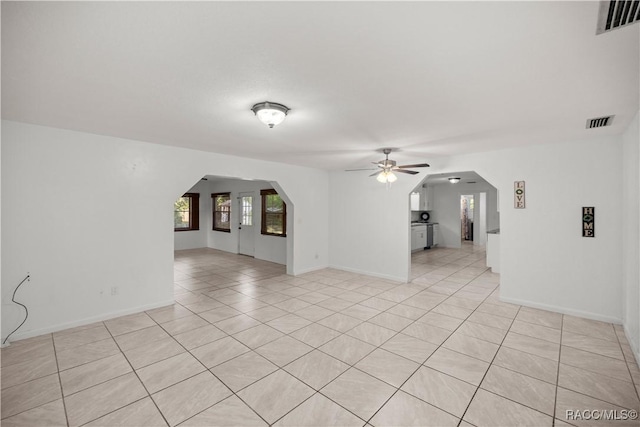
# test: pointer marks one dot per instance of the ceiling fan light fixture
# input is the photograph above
(386, 176)
(270, 113)
(454, 180)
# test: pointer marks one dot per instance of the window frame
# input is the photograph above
(194, 207)
(263, 214)
(214, 211)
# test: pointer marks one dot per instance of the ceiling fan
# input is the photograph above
(386, 168)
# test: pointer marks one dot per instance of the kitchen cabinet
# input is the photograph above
(418, 237)
(415, 201)
(427, 198)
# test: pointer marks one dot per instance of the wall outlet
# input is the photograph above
(114, 290)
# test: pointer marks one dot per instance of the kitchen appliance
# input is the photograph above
(429, 236)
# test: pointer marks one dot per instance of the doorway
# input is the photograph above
(467, 207)
(246, 232)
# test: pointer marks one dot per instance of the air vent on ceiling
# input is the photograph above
(599, 122)
(617, 13)
(471, 182)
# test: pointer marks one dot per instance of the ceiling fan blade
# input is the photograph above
(419, 165)
(376, 173)
(406, 171)
(364, 169)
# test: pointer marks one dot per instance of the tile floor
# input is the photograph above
(247, 345)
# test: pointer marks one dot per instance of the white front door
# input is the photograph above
(246, 244)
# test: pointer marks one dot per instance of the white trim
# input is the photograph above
(369, 273)
(563, 310)
(88, 320)
(309, 270)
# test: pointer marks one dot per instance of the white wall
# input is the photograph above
(193, 239)
(545, 261)
(268, 248)
(631, 234)
(83, 213)
(446, 210)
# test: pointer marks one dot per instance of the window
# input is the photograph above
(274, 214)
(222, 212)
(246, 202)
(186, 212)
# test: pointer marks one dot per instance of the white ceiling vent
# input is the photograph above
(617, 13)
(599, 122)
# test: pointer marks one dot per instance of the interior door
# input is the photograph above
(246, 235)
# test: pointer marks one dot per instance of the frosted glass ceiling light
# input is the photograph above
(454, 180)
(270, 113)
(386, 176)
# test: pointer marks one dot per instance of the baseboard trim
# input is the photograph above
(309, 270)
(635, 350)
(563, 310)
(88, 320)
(370, 273)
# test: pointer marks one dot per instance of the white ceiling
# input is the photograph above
(427, 78)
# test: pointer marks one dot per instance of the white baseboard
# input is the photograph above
(309, 270)
(370, 273)
(632, 344)
(563, 310)
(87, 321)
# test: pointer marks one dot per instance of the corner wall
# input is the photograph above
(83, 213)
(193, 239)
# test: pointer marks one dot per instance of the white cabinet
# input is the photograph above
(415, 201)
(418, 237)
(427, 198)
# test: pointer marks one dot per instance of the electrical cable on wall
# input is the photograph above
(25, 308)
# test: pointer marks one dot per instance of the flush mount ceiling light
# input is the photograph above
(454, 180)
(270, 113)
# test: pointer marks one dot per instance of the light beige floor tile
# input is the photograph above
(458, 365)
(87, 375)
(463, 302)
(358, 392)
(407, 311)
(592, 328)
(391, 321)
(536, 331)
(190, 397)
(313, 297)
(441, 390)
(166, 314)
(292, 305)
(86, 353)
(452, 311)
(378, 303)
(540, 317)
(275, 395)
(203, 305)
(373, 334)
(593, 345)
(236, 324)
(142, 413)
(593, 362)
(483, 332)
(258, 336)
(532, 345)
(599, 386)
(362, 312)
(153, 352)
(169, 371)
(568, 403)
(230, 412)
(266, 314)
(50, 414)
(388, 367)
(490, 320)
(283, 350)
(184, 324)
(289, 323)
(316, 369)
(243, 370)
(488, 409)
(67, 341)
(405, 410)
(198, 337)
(521, 388)
(410, 347)
(219, 351)
(125, 324)
(340, 322)
(347, 349)
(314, 313)
(30, 395)
(529, 364)
(24, 350)
(140, 337)
(504, 310)
(319, 411)
(28, 370)
(427, 332)
(101, 399)
(470, 346)
(315, 335)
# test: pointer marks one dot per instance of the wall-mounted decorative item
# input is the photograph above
(588, 221)
(518, 195)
